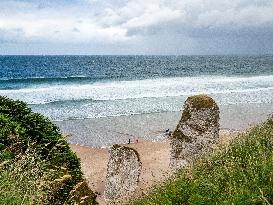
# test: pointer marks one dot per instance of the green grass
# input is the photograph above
(26, 180)
(241, 173)
(19, 127)
(50, 173)
(202, 101)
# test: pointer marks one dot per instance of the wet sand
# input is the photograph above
(102, 132)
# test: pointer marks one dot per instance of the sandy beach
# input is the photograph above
(154, 155)
(91, 139)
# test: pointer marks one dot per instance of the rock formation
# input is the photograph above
(81, 194)
(196, 132)
(123, 172)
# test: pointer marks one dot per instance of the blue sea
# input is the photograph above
(80, 87)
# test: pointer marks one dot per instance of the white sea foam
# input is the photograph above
(149, 88)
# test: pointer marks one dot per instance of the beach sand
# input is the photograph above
(154, 155)
(92, 137)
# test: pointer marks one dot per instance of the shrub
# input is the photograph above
(21, 130)
(26, 180)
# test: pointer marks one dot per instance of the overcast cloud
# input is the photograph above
(136, 27)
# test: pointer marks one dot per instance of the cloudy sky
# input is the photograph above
(136, 27)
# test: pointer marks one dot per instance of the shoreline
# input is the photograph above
(103, 132)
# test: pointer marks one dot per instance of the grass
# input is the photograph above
(20, 126)
(241, 173)
(25, 180)
(50, 173)
(202, 101)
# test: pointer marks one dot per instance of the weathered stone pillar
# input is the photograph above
(196, 131)
(123, 172)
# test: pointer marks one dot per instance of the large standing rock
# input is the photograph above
(123, 172)
(197, 130)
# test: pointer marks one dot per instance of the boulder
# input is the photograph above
(196, 132)
(81, 195)
(123, 171)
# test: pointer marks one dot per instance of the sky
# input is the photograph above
(136, 27)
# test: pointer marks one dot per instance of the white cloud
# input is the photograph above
(122, 21)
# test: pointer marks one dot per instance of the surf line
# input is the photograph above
(134, 136)
(122, 133)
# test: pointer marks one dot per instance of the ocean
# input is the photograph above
(81, 87)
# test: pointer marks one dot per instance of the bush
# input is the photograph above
(32, 128)
(21, 129)
(26, 180)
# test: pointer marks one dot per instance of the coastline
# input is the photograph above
(91, 139)
(103, 132)
(153, 147)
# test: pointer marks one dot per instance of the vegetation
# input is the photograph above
(26, 180)
(202, 101)
(57, 166)
(241, 173)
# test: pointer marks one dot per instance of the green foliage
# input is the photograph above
(20, 129)
(6, 155)
(33, 128)
(202, 101)
(26, 180)
(2, 146)
(238, 174)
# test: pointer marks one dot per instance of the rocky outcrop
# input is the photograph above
(196, 132)
(123, 172)
(81, 195)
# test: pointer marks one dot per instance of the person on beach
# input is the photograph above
(168, 132)
(129, 142)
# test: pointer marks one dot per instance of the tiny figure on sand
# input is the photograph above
(168, 132)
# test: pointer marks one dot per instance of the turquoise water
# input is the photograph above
(79, 87)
